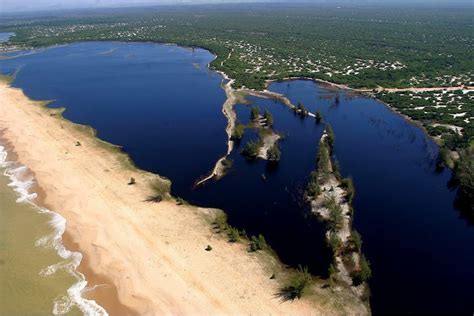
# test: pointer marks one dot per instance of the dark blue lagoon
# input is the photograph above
(163, 105)
(419, 246)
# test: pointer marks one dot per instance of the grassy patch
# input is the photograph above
(296, 285)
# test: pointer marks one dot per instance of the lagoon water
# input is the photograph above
(163, 105)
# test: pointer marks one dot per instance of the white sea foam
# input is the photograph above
(21, 183)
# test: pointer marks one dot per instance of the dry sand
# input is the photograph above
(147, 258)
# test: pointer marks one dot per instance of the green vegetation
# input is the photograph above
(257, 243)
(323, 168)
(348, 186)
(181, 201)
(448, 117)
(274, 153)
(239, 131)
(334, 242)
(331, 137)
(464, 173)
(357, 240)
(220, 225)
(296, 285)
(364, 46)
(268, 118)
(254, 114)
(312, 189)
(301, 110)
(233, 234)
(361, 46)
(161, 189)
(342, 250)
(332, 271)
(364, 273)
(227, 163)
(252, 149)
(318, 117)
(323, 161)
(335, 213)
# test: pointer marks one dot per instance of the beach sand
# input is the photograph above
(144, 258)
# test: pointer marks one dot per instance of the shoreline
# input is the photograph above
(33, 195)
(116, 231)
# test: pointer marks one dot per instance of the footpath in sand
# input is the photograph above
(143, 258)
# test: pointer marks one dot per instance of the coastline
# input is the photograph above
(126, 241)
(22, 182)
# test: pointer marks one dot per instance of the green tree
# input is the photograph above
(251, 149)
(274, 153)
(269, 118)
(364, 273)
(318, 117)
(296, 285)
(331, 137)
(301, 109)
(254, 114)
(357, 240)
(313, 189)
(348, 186)
(464, 173)
(239, 131)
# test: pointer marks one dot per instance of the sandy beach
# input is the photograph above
(140, 257)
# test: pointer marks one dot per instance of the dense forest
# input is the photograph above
(359, 46)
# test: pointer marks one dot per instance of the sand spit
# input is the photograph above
(146, 258)
(346, 258)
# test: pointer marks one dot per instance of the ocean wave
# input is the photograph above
(21, 183)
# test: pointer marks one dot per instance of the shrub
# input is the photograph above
(332, 271)
(208, 248)
(318, 117)
(234, 234)
(313, 189)
(323, 161)
(334, 242)
(220, 221)
(331, 137)
(269, 118)
(357, 240)
(348, 186)
(239, 131)
(181, 201)
(296, 285)
(301, 109)
(464, 173)
(335, 213)
(227, 163)
(336, 218)
(254, 114)
(364, 273)
(274, 153)
(160, 188)
(251, 149)
(132, 181)
(257, 243)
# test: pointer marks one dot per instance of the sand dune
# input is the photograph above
(146, 258)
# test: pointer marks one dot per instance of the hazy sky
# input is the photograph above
(30, 5)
